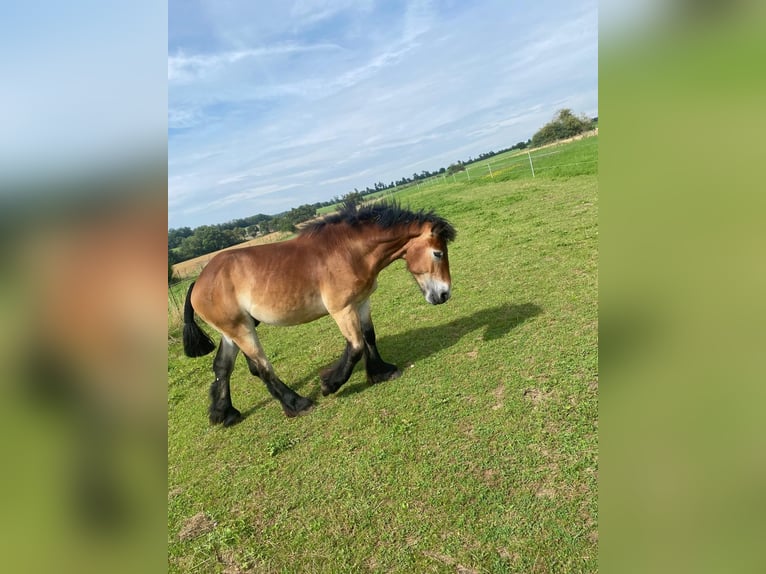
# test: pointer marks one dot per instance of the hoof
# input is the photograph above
(302, 407)
(324, 382)
(232, 417)
(229, 416)
(327, 389)
(388, 375)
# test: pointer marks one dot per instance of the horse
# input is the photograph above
(330, 267)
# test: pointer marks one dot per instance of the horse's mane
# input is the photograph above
(386, 215)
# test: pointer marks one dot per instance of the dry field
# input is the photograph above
(192, 267)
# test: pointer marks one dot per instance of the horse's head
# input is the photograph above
(427, 260)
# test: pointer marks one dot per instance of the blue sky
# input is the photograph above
(275, 104)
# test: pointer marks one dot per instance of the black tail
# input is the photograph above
(196, 341)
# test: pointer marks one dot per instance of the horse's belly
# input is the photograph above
(289, 314)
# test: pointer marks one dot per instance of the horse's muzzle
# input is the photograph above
(438, 296)
(434, 290)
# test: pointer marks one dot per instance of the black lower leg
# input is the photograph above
(221, 409)
(377, 369)
(336, 375)
(292, 403)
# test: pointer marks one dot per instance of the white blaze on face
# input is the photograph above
(425, 264)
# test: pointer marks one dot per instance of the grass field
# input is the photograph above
(553, 160)
(482, 457)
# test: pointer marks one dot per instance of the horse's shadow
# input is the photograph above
(417, 344)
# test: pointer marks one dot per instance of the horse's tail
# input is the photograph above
(196, 341)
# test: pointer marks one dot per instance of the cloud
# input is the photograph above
(184, 117)
(385, 59)
(343, 178)
(330, 95)
(186, 68)
(305, 13)
(419, 17)
(239, 197)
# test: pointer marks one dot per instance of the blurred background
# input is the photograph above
(83, 229)
(682, 277)
(83, 178)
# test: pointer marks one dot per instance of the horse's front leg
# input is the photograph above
(377, 369)
(333, 377)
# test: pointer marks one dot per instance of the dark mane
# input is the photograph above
(385, 215)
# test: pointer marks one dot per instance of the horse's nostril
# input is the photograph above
(444, 296)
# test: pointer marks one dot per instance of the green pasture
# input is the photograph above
(562, 160)
(482, 457)
(575, 158)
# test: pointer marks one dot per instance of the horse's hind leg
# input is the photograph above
(292, 403)
(221, 410)
(377, 369)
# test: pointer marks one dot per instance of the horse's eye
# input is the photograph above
(438, 254)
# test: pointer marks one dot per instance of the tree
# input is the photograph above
(282, 223)
(240, 234)
(564, 125)
(175, 236)
(190, 247)
(455, 167)
(352, 198)
(214, 238)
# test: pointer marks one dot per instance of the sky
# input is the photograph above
(272, 105)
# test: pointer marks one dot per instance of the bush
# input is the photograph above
(564, 125)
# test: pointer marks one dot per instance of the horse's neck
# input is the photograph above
(386, 248)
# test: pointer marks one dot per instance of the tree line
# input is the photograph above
(186, 243)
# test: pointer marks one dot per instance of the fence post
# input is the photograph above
(530, 164)
(490, 171)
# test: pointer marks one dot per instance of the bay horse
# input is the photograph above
(330, 267)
